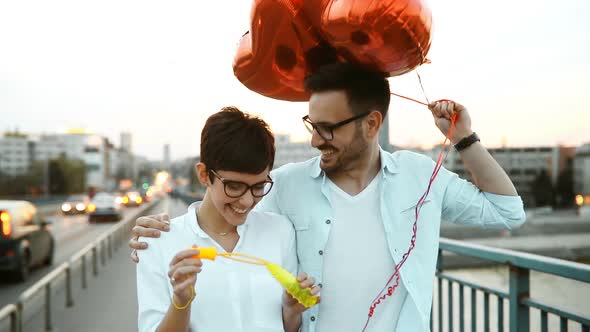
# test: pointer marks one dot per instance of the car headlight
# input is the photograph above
(80, 207)
(66, 207)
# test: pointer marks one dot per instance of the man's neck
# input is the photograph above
(355, 180)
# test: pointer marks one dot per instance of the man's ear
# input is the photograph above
(374, 122)
(203, 174)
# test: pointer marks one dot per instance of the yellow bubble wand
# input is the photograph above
(286, 279)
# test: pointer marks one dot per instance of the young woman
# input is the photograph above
(177, 292)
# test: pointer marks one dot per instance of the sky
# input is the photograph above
(159, 69)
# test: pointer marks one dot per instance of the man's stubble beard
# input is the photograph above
(351, 155)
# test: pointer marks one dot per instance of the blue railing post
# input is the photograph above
(519, 290)
(439, 264)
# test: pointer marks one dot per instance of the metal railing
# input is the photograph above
(100, 249)
(518, 298)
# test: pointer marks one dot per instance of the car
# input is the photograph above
(76, 204)
(104, 207)
(132, 198)
(25, 241)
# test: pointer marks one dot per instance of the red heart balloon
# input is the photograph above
(393, 36)
(269, 58)
(288, 39)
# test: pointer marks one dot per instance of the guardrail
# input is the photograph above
(101, 248)
(518, 298)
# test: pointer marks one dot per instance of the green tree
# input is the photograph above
(542, 189)
(76, 175)
(565, 187)
(194, 184)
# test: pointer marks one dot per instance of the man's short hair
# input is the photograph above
(232, 140)
(365, 89)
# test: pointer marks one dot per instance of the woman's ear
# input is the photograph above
(203, 174)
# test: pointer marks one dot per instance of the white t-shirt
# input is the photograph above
(357, 264)
(231, 296)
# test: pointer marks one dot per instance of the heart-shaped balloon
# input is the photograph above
(288, 39)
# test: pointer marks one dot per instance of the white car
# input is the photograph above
(104, 207)
(77, 204)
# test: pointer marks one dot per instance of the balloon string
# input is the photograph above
(422, 86)
(408, 98)
(439, 162)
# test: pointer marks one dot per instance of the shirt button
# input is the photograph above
(328, 222)
(321, 252)
(312, 318)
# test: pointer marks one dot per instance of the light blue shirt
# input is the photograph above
(301, 193)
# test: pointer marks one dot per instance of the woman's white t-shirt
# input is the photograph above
(231, 296)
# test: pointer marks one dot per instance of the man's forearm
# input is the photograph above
(487, 174)
(291, 322)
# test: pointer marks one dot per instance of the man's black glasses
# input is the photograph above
(326, 131)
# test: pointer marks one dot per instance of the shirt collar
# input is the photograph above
(192, 218)
(388, 164)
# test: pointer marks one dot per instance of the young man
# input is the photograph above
(353, 206)
(177, 292)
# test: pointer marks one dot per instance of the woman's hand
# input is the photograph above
(183, 275)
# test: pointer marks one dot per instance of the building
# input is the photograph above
(166, 164)
(92, 149)
(15, 155)
(384, 136)
(126, 142)
(292, 152)
(522, 164)
(582, 170)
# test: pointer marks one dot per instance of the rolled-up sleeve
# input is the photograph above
(465, 204)
(153, 297)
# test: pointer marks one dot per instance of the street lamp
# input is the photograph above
(46, 176)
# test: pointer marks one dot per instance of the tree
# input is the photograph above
(565, 188)
(194, 184)
(542, 189)
(76, 175)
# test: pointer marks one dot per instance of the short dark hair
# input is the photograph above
(232, 140)
(365, 89)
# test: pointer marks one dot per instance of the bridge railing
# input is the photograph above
(452, 293)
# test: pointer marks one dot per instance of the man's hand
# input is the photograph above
(148, 226)
(443, 110)
(292, 309)
(290, 304)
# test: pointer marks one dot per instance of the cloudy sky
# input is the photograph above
(158, 69)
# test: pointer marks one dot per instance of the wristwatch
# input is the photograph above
(466, 142)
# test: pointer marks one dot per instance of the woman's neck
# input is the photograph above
(211, 221)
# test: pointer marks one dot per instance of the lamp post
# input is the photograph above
(46, 176)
